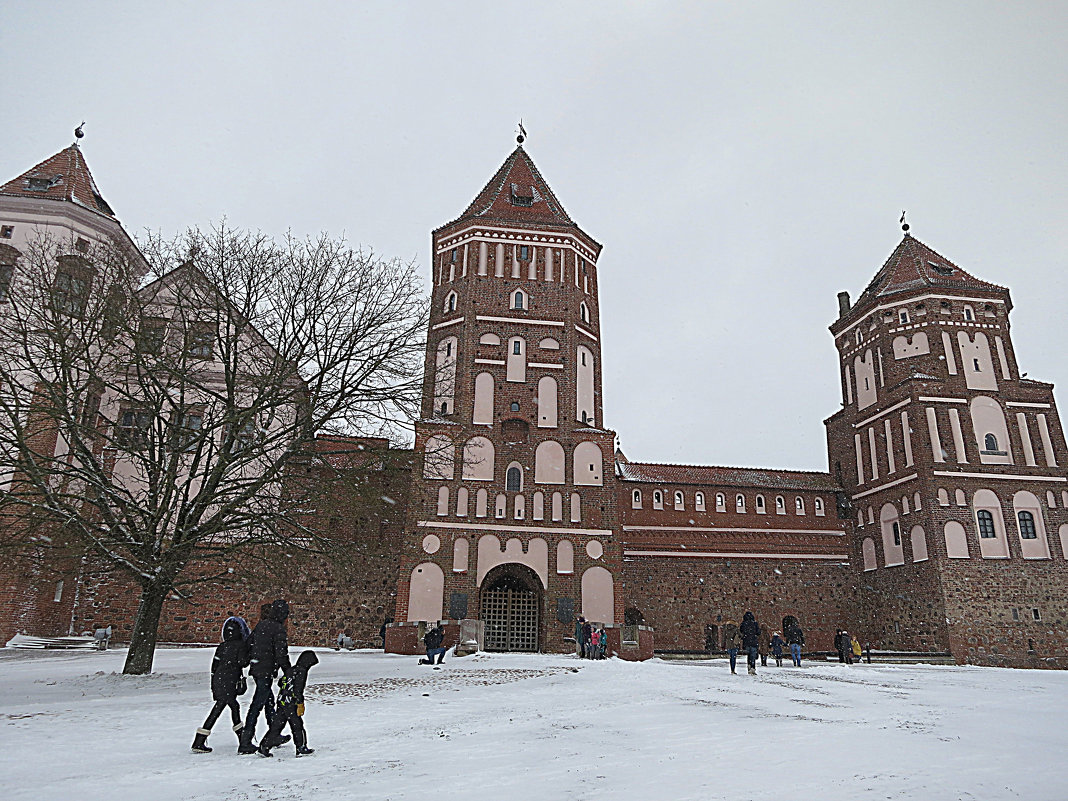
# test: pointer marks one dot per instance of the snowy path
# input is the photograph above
(541, 727)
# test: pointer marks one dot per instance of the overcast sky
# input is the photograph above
(741, 163)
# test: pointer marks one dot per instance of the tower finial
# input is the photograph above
(522, 133)
(78, 132)
(904, 225)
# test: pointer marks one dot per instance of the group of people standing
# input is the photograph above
(848, 647)
(265, 651)
(591, 641)
(756, 643)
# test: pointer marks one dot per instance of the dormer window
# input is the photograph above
(941, 269)
(519, 199)
(43, 184)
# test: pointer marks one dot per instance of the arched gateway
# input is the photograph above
(510, 601)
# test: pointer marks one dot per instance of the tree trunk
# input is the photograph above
(146, 626)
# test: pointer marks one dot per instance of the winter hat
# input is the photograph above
(307, 659)
(281, 610)
(232, 630)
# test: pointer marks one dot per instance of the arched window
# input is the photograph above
(636, 499)
(584, 312)
(549, 463)
(960, 497)
(799, 505)
(513, 480)
(518, 299)
(1027, 526)
(721, 502)
(501, 506)
(739, 503)
(760, 507)
(450, 302)
(658, 499)
(780, 505)
(986, 524)
(819, 506)
(699, 501)
(943, 497)
(680, 500)
(991, 442)
(916, 501)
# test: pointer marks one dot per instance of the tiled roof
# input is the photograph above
(725, 476)
(913, 265)
(517, 178)
(64, 176)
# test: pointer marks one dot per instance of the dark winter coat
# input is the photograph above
(776, 645)
(750, 631)
(269, 645)
(291, 687)
(433, 639)
(730, 637)
(795, 636)
(587, 632)
(231, 657)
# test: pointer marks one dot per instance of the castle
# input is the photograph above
(941, 526)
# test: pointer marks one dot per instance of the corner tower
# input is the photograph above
(512, 517)
(955, 466)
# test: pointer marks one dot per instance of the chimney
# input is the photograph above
(843, 303)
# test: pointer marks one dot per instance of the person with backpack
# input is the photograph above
(268, 653)
(227, 682)
(795, 638)
(291, 708)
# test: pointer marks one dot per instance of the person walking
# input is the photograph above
(291, 708)
(603, 644)
(595, 644)
(776, 648)
(731, 641)
(765, 644)
(854, 644)
(227, 680)
(382, 631)
(795, 638)
(750, 631)
(587, 639)
(578, 635)
(268, 652)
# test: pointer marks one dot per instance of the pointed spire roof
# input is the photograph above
(64, 176)
(517, 193)
(913, 265)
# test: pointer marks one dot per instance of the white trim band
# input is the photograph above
(884, 486)
(837, 557)
(447, 324)
(1000, 476)
(518, 320)
(592, 532)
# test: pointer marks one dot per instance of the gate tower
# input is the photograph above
(512, 517)
(955, 464)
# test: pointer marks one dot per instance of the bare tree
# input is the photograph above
(153, 409)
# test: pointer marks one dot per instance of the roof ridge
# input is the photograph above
(730, 467)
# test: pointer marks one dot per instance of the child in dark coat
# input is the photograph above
(231, 657)
(290, 708)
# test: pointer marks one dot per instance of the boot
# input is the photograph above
(238, 728)
(752, 670)
(200, 742)
(263, 750)
(303, 750)
(246, 746)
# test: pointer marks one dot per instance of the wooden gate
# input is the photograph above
(511, 617)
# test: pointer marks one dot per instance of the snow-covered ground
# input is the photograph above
(541, 727)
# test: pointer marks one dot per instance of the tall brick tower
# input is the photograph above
(955, 464)
(512, 518)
